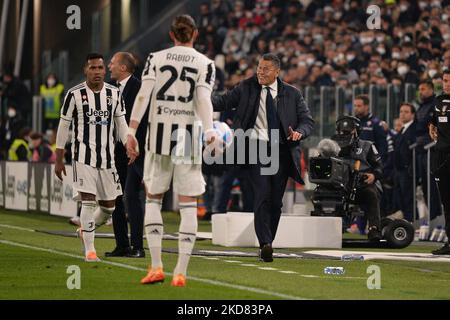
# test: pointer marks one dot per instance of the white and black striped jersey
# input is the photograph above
(177, 72)
(92, 115)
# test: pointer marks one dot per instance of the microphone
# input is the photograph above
(328, 148)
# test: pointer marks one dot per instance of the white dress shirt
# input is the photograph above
(260, 130)
(123, 83)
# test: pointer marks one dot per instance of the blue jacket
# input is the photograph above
(372, 130)
(424, 116)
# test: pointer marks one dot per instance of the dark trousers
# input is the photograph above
(404, 193)
(444, 187)
(135, 201)
(368, 198)
(268, 192)
(435, 202)
(120, 223)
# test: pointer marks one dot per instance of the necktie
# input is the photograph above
(272, 117)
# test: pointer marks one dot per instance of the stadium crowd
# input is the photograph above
(327, 43)
(321, 43)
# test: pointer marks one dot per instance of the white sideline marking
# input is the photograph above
(267, 268)
(232, 261)
(248, 265)
(288, 272)
(126, 266)
(16, 228)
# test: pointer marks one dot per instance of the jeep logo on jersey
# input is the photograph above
(98, 113)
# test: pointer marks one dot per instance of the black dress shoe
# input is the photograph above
(374, 234)
(136, 253)
(118, 252)
(445, 250)
(266, 253)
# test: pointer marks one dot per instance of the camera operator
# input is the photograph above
(370, 169)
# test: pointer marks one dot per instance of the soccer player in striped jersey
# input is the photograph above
(96, 110)
(179, 82)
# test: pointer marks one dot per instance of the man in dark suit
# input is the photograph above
(424, 116)
(403, 161)
(279, 118)
(122, 67)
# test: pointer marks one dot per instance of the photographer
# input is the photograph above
(370, 169)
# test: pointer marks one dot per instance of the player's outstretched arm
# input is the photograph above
(204, 109)
(122, 129)
(141, 104)
(139, 108)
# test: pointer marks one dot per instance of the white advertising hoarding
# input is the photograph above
(61, 194)
(16, 193)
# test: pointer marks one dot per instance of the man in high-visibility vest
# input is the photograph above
(19, 150)
(51, 92)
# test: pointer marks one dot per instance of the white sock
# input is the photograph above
(88, 224)
(154, 231)
(102, 214)
(187, 236)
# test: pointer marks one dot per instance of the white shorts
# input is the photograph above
(103, 183)
(158, 173)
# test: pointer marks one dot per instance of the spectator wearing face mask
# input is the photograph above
(15, 92)
(408, 75)
(9, 129)
(51, 92)
(432, 69)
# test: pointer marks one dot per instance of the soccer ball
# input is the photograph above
(224, 132)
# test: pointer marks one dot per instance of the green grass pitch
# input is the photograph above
(34, 266)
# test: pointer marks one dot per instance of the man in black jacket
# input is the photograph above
(278, 117)
(371, 168)
(403, 161)
(122, 67)
(423, 117)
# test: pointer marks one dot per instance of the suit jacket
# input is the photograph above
(292, 111)
(129, 95)
(402, 154)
